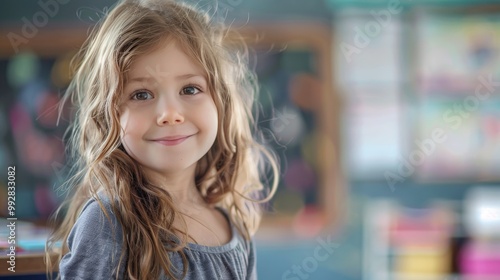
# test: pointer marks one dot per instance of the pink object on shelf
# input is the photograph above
(478, 259)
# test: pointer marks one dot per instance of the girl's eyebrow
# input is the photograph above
(187, 76)
(141, 79)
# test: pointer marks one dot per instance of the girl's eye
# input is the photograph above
(142, 95)
(190, 90)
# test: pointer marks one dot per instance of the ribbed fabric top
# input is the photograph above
(95, 248)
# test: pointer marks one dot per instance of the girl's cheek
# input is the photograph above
(124, 118)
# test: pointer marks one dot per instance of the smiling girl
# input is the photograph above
(168, 177)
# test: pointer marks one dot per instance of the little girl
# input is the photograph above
(168, 175)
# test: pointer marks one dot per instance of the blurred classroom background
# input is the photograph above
(385, 116)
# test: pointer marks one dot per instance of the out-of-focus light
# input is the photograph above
(483, 212)
(287, 125)
(309, 222)
(22, 69)
(300, 176)
(305, 91)
(489, 213)
(61, 71)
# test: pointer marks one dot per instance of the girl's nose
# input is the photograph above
(169, 114)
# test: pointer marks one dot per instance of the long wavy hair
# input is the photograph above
(237, 173)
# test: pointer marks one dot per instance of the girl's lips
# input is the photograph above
(171, 142)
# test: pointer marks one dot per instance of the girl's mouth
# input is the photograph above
(171, 140)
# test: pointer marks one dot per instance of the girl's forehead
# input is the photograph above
(165, 60)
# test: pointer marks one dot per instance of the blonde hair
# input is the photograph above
(231, 175)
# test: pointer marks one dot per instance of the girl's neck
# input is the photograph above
(180, 185)
(187, 198)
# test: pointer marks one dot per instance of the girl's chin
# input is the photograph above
(167, 168)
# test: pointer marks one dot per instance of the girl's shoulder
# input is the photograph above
(97, 217)
(94, 202)
(94, 243)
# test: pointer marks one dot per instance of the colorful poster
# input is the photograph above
(454, 50)
(469, 150)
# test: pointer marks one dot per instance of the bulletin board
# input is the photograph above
(299, 117)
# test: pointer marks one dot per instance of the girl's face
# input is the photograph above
(167, 115)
